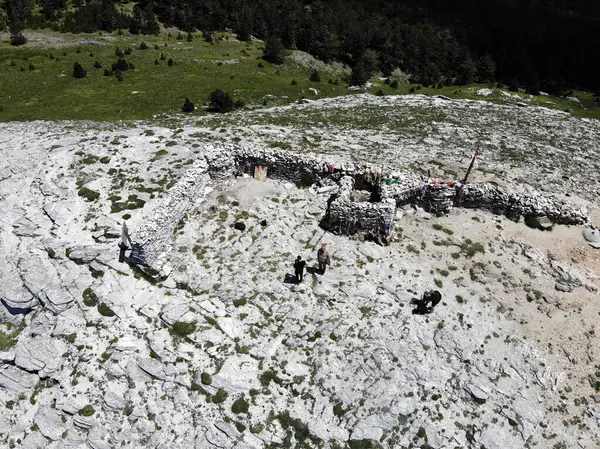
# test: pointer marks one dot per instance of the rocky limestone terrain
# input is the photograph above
(228, 352)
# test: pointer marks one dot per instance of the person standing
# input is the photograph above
(299, 265)
(323, 258)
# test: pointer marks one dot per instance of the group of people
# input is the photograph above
(322, 258)
(425, 305)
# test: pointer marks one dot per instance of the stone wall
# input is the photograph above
(152, 241)
(531, 203)
(343, 215)
(348, 217)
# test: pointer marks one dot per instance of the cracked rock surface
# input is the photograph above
(228, 352)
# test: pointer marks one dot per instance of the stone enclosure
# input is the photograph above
(363, 201)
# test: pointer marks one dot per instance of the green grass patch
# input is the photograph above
(9, 334)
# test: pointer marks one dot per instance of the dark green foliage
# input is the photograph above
(78, 70)
(274, 50)
(89, 297)
(364, 68)
(188, 106)
(189, 37)
(314, 76)
(97, 65)
(220, 396)
(94, 16)
(120, 64)
(88, 194)
(486, 69)
(294, 82)
(104, 310)
(394, 84)
(240, 406)
(108, 72)
(17, 39)
(143, 46)
(363, 444)
(467, 71)
(533, 222)
(170, 62)
(223, 102)
(205, 378)
(119, 53)
(181, 329)
(31, 66)
(88, 410)
(143, 20)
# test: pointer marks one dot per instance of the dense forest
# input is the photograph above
(548, 45)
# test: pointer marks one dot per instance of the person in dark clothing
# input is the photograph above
(427, 304)
(323, 258)
(299, 265)
(435, 297)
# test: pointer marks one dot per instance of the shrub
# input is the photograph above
(17, 39)
(205, 378)
(31, 66)
(181, 329)
(120, 53)
(170, 63)
(120, 64)
(108, 72)
(394, 84)
(88, 410)
(240, 406)
(119, 75)
(89, 297)
(294, 82)
(78, 70)
(143, 46)
(188, 106)
(97, 65)
(179, 37)
(314, 76)
(88, 194)
(189, 37)
(104, 310)
(128, 51)
(260, 65)
(533, 222)
(220, 396)
(222, 102)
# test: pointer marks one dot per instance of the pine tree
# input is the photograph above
(467, 71)
(486, 69)
(364, 68)
(188, 106)
(78, 70)
(274, 51)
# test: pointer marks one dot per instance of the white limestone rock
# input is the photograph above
(40, 355)
(49, 423)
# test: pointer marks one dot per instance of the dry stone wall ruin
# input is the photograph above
(347, 212)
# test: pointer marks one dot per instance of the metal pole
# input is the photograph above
(460, 191)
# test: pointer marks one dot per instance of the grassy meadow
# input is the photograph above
(37, 80)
